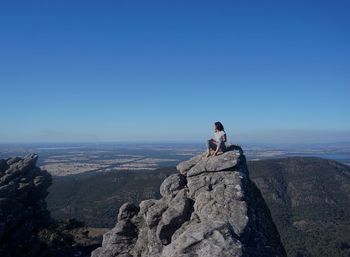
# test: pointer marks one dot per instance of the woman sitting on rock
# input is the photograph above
(218, 143)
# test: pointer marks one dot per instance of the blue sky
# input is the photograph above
(270, 71)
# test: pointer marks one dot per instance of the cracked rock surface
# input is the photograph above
(210, 208)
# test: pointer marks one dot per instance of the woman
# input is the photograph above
(218, 143)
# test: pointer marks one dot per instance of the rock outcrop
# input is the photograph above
(210, 208)
(23, 188)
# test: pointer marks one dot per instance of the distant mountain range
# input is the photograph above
(308, 198)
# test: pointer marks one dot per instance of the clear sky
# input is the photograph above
(270, 71)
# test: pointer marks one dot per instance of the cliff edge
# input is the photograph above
(23, 188)
(26, 227)
(210, 208)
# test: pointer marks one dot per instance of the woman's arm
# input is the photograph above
(221, 141)
(218, 146)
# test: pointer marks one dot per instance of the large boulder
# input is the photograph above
(210, 208)
(23, 188)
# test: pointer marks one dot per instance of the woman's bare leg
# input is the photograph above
(207, 143)
(210, 144)
(220, 147)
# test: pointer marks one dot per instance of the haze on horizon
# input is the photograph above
(73, 71)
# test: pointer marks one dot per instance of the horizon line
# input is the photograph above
(168, 141)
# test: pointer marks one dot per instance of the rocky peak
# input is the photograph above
(23, 188)
(210, 208)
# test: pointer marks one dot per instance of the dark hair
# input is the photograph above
(219, 126)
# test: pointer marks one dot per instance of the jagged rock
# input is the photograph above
(123, 235)
(127, 211)
(154, 212)
(211, 208)
(3, 166)
(178, 212)
(172, 184)
(225, 161)
(182, 167)
(23, 188)
(205, 239)
(26, 228)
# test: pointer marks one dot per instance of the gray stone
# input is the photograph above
(23, 188)
(154, 213)
(203, 212)
(205, 239)
(127, 211)
(178, 212)
(183, 167)
(172, 184)
(3, 166)
(209, 180)
(225, 161)
(218, 205)
(12, 160)
(8, 190)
